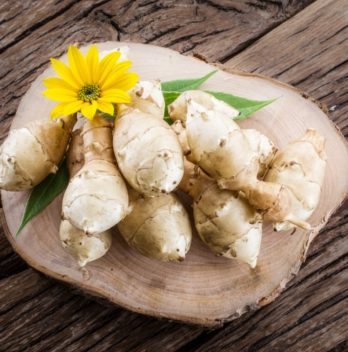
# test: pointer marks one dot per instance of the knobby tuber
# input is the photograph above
(29, 154)
(147, 97)
(300, 167)
(157, 227)
(148, 152)
(150, 158)
(224, 220)
(84, 247)
(96, 198)
(224, 151)
(216, 142)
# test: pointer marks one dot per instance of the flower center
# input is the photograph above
(89, 92)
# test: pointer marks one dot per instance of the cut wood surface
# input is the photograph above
(311, 315)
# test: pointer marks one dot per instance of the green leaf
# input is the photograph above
(168, 120)
(44, 193)
(246, 107)
(185, 84)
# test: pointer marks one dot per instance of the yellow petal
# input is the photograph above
(65, 73)
(78, 65)
(61, 95)
(70, 108)
(108, 108)
(119, 70)
(121, 67)
(124, 82)
(88, 110)
(107, 65)
(113, 57)
(92, 60)
(53, 82)
(57, 111)
(115, 96)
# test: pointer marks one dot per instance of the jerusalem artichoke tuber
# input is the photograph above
(224, 220)
(300, 167)
(158, 227)
(147, 97)
(148, 152)
(216, 142)
(84, 247)
(223, 150)
(29, 154)
(96, 198)
(150, 158)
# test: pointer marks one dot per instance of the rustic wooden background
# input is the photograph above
(304, 43)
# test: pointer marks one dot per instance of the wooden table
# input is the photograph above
(304, 43)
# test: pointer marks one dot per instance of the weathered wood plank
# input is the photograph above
(10, 262)
(310, 52)
(11, 295)
(213, 29)
(19, 18)
(48, 316)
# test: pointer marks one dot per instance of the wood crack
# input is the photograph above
(220, 7)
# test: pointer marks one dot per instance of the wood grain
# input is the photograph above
(323, 264)
(10, 262)
(180, 291)
(319, 37)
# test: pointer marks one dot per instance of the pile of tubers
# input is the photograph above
(126, 174)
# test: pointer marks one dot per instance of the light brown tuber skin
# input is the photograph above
(75, 157)
(96, 198)
(300, 168)
(259, 143)
(29, 154)
(216, 142)
(147, 97)
(148, 152)
(83, 247)
(224, 220)
(224, 152)
(157, 227)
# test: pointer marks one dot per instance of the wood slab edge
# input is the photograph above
(194, 321)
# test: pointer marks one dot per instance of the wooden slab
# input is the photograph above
(203, 289)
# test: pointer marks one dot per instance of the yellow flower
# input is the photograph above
(88, 84)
